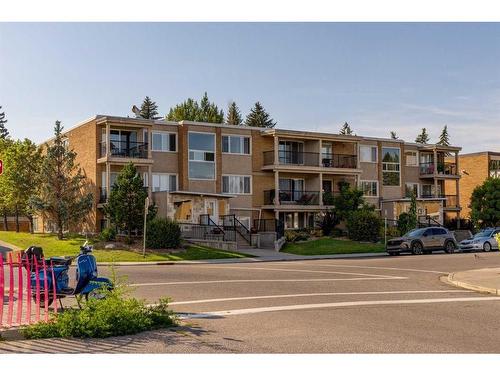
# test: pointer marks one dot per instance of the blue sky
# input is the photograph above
(378, 77)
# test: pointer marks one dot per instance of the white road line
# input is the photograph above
(318, 294)
(374, 267)
(215, 314)
(262, 281)
(301, 270)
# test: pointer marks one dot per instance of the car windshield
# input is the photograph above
(485, 233)
(415, 232)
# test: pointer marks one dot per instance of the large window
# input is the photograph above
(202, 156)
(236, 184)
(368, 154)
(369, 188)
(164, 142)
(391, 166)
(235, 144)
(164, 182)
(495, 168)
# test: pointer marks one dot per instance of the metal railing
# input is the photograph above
(312, 159)
(303, 198)
(228, 234)
(442, 168)
(231, 222)
(125, 149)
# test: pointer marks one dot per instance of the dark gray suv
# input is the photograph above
(423, 240)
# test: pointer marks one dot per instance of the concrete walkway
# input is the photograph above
(6, 247)
(485, 280)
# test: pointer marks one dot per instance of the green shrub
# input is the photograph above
(364, 225)
(327, 222)
(115, 315)
(108, 234)
(296, 235)
(163, 234)
(391, 232)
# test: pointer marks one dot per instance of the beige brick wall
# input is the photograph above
(477, 167)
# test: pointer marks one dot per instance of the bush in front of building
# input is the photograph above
(163, 234)
(108, 234)
(364, 225)
(485, 204)
(296, 235)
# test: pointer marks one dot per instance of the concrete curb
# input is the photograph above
(476, 288)
(244, 260)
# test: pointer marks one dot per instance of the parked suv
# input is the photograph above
(423, 240)
(483, 241)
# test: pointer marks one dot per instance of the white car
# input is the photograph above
(482, 241)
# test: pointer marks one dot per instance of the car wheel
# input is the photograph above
(449, 247)
(393, 253)
(487, 247)
(417, 248)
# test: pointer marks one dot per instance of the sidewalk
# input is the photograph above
(486, 280)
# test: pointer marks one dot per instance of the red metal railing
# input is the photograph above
(19, 269)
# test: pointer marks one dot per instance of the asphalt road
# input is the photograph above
(381, 305)
(396, 304)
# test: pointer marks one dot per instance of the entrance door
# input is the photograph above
(211, 209)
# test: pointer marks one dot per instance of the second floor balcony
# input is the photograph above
(125, 149)
(442, 169)
(310, 159)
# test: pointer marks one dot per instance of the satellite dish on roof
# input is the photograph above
(136, 111)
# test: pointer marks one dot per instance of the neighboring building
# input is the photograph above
(475, 168)
(192, 169)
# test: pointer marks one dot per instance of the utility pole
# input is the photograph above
(146, 206)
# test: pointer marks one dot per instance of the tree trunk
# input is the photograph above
(30, 218)
(5, 223)
(17, 219)
(59, 229)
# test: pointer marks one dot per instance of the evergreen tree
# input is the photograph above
(423, 137)
(149, 109)
(259, 117)
(190, 110)
(346, 130)
(62, 195)
(4, 133)
(444, 138)
(125, 207)
(233, 115)
(394, 135)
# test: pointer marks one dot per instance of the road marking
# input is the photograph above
(317, 294)
(216, 314)
(262, 281)
(378, 268)
(301, 270)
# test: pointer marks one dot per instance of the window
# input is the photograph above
(202, 156)
(236, 184)
(411, 158)
(369, 188)
(164, 142)
(427, 190)
(368, 154)
(411, 188)
(235, 144)
(164, 182)
(495, 168)
(145, 179)
(391, 166)
(438, 231)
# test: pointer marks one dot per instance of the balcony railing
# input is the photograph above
(442, 168)
(302, 198)
(123, 149)
(311, 159)
(103, 195)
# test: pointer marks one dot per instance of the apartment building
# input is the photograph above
(198, 171)
(475, 169)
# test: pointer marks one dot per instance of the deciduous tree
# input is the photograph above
(485, 204)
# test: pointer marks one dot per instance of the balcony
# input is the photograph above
(103, 195)
(451, 202)
(311, 159)
(291, 197)
(443, 169)
(123, 149)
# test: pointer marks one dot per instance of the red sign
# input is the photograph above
(1, 166)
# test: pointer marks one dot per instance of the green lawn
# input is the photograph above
(327, 245)
(71, 246)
